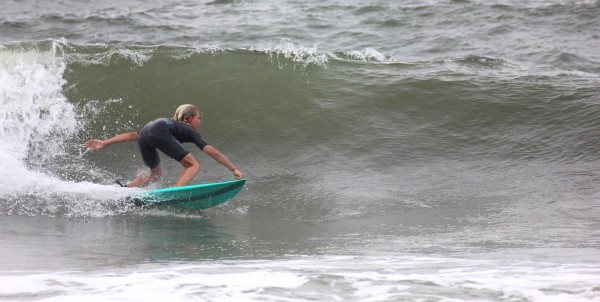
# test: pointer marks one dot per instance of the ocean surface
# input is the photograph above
(424, 150)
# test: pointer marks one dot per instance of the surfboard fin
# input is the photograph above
(120, 184)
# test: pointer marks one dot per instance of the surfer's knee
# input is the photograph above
(190, 163)
(194, 168)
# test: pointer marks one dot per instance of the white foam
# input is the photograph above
(35, 112)
(36, 122)
(367, 54)
(297, 54)
(317, 278)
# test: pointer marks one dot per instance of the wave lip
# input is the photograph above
(482, 61)
(572, 61)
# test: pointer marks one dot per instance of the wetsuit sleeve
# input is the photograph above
(199, 141)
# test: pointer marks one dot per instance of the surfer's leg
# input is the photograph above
(146, 178)
(146, 142)
(191, 168)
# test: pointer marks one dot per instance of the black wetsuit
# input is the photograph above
(167, 136)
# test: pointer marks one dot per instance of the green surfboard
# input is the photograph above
(194, 197)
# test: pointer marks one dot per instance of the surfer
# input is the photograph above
(167, 135)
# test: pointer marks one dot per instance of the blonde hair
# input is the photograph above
(184, 112)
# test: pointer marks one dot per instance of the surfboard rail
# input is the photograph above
(195, 197)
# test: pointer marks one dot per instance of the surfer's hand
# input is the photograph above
(94, 144)
(238, 174)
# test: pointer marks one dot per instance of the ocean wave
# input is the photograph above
(366, 111)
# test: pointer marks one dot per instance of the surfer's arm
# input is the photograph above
(223, 160)
(96, 144)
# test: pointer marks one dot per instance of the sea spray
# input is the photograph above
(36, 117)
(36, 124)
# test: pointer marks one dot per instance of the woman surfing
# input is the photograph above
(168, 136)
